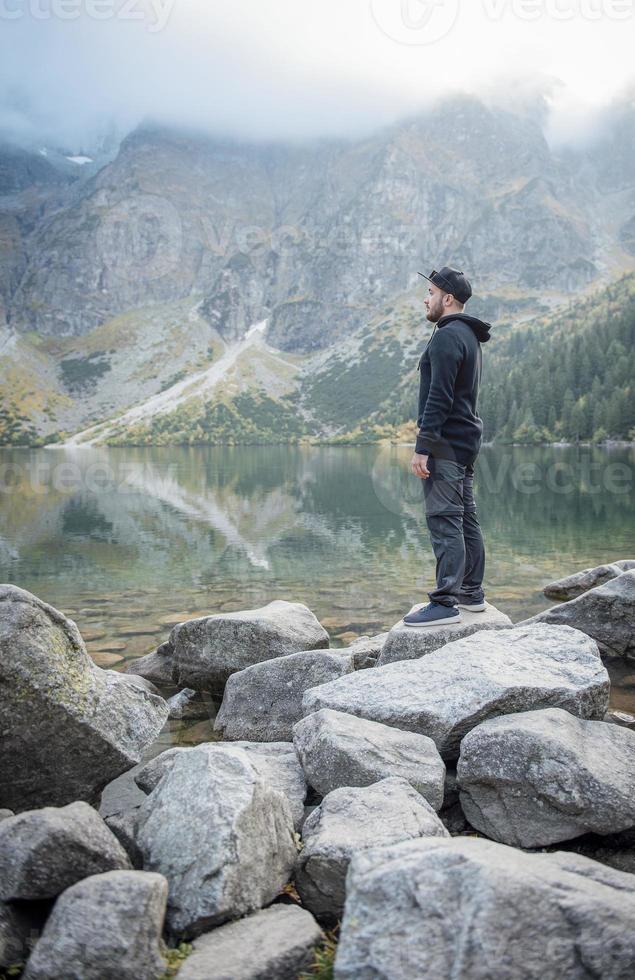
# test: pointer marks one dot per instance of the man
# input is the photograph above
(448, 443)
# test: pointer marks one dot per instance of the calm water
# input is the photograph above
(129, 541)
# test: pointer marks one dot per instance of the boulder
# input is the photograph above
(156, 667)
(68, 726)
(405, 643)
(124, 827)
(277, 942)
(120, 802)
(350, 820)
(605, 613)
(337, 749)
(148, 776)
(202, 653)
(189, 704)
(123, 793)
(276, 762)
(43, 852)
(106, 926)
(221, 835)
(539, 777)
(262, 703)
(574, 585)
(447, 693)
(470, 909)
(366, 650)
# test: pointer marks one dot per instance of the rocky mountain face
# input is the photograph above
(315, 236)
(320, 240)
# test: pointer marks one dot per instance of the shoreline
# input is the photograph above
(331, 443)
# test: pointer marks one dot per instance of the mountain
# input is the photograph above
(128, 290)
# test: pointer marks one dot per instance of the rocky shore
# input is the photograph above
(454, 802)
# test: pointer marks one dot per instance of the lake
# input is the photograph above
(130, 541)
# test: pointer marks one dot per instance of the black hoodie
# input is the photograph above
(450, 366)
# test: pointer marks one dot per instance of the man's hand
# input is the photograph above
(419, 466)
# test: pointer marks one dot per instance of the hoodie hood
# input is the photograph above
(481, 328)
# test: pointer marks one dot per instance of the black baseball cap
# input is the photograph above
(451, 281)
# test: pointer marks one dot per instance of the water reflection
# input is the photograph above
(129, 541)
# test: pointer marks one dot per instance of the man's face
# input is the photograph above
(434, 304)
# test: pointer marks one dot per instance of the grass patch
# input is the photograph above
(323, 959)
(12, 971)
(174, 958)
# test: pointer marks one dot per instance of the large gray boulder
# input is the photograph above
(202, 653)
(44, 851)
(262, 703)
(405, 643)
(606, 613)
(447, 693)
(275, 943)
(338, 749)
(348, 821)
(277, 763)
(539, 777)
(471, 909)
(220, 834)
(68, 727)
(106, 927)
(574, 585)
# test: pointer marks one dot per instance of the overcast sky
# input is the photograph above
(298, 68)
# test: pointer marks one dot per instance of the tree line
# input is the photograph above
(570, 377)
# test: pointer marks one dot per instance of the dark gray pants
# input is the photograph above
(455, 533)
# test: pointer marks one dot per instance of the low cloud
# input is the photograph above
(73, 70)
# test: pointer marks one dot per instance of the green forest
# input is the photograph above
(569, 377)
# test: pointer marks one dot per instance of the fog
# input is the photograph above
(70, 70)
